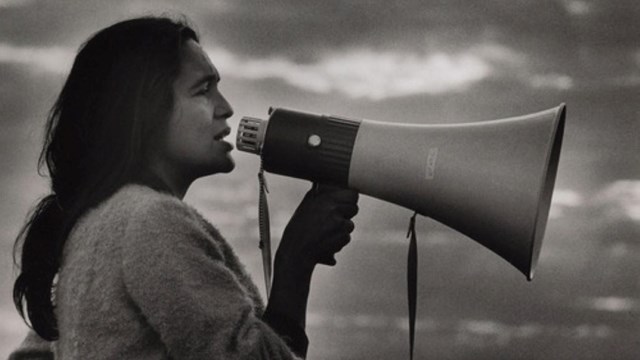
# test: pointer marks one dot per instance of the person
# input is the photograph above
(113, 264)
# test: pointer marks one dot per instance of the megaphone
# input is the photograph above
(491, 180)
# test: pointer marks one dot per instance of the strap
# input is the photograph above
(265, 232)
(412, 281)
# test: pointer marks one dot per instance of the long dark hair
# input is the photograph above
(114, 104)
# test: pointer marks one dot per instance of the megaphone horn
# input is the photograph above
(491, 181)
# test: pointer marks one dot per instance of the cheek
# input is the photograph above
(190, 127)
(195, 116)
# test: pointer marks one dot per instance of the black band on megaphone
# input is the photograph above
(309, 146)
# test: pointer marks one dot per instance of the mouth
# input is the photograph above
(224, 133)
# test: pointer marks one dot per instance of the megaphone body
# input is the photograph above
(492, 180)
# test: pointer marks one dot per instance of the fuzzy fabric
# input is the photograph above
(144, 276)
(33, 348)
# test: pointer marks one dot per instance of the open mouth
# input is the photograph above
(222, 134)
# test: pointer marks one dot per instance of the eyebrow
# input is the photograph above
(213, 77)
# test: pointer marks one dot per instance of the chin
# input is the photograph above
(219, 165)
(226, 167)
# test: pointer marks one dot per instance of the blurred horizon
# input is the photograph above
(425, 62)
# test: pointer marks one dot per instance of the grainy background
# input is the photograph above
(399, 61)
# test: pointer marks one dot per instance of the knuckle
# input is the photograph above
(350, 226)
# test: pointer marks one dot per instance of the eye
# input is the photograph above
(205, 89)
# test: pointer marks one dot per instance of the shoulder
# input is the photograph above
(140, 200)
(144, 209)
(158, 222)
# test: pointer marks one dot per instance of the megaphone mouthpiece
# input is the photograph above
(250, 136)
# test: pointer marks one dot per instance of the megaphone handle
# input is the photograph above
(327, 259)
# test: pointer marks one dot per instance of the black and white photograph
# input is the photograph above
(257, 179)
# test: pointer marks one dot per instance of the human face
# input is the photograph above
(194, 144)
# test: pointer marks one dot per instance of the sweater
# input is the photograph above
(145, 276)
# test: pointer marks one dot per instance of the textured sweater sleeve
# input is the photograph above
(176, 275)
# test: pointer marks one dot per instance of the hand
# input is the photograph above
(319, 228)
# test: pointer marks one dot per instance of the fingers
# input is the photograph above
(321, 225)
(340, 200)
(346, 227)
(337, 224)
(337, 239)
(347, 211)
(349, 226)
(330, 247)
(334, 193)
(329, 260)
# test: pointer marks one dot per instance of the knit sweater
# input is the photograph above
(144, 276)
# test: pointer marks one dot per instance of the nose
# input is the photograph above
(223, 109)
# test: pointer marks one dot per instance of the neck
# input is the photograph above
(164, 179)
